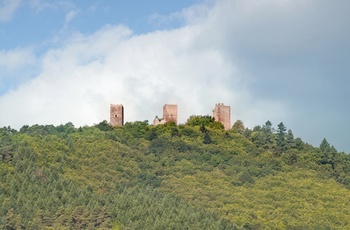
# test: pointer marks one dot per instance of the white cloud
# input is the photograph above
(8, 8)
(261, 57)
(40, 5)
(186, 66)
(79, 80)
(191, 15)
(70, 16)
(16, 66)
(17, 58)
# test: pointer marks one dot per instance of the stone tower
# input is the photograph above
(170, 113)
(222, 113)
(117, 115)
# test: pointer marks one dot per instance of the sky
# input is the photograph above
(279, 60)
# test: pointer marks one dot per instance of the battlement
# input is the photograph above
(222, 114)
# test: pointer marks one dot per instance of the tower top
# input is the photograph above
(222, 114)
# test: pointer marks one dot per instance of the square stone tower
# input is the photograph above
(170, 113)
(117, 115)
(222, 113)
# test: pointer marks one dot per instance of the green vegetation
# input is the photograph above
(191, 176)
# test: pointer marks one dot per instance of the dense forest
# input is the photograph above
(190, 176)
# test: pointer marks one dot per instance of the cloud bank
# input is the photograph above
(270, 60)
(8, 8)
(79, 80)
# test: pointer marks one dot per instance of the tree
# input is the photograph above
(174, 132)
(299, 144)
(200, 120)
(247, 133)
(290, 157)
(268, 139)
(257, 128)
(203, 129)
(246, 177)
(263, 136)
(103, 126)
(327, 153)
(152, 135)
(281, 138)
(13, 220)
(238, 126)
(207, 138)
(258, 139)
(324, 146)
(290, 142)
(267, 128)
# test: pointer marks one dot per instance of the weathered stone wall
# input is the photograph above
(170, 113)
(158, 121)
(222, 113)
(117, 115)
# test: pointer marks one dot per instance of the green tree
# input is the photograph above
(238, 126)
(268, 139)
(207, 138)
(290, 142)
(104, 126)
(267, 128)
(200, 120)
(203, 129)
(299, 144)
(263, 136)
(13, 220)
(281, 138)
(152, 135)
(327, 153)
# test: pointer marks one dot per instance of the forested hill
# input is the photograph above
(191, 176)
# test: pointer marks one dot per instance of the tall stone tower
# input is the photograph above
(117, 115)
(170, 113)
(222, 113)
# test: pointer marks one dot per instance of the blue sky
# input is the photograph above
(41, 24)
(35, 21)
(274, 60)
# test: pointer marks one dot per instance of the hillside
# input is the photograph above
(191, 176)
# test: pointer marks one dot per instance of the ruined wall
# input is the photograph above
(222, 113)
(158, 121)
(117, 115)
(170, 113)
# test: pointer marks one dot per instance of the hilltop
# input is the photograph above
(190, 176)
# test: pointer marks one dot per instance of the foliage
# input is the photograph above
(203, 121)
(238, 126)
(191, 176)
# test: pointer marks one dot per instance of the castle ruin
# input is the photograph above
(222, 114)
(116, 115)
(169, 115)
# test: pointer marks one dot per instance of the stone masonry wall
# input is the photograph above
(222, 113)
(117, 115)
(170, 113)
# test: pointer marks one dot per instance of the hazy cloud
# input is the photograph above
(8, 8)
(270, 60)
(79, 80)
(40, 5)
(190, 15)
(70, 16)
(17, 58)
